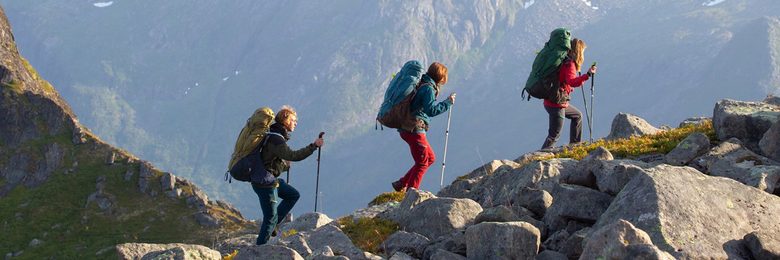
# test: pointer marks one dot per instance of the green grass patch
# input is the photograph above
(368, 233)
(14, 86)
(660, 143)
(57, 212)
(385, 197)
(45, 85)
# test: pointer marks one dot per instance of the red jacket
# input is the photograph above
(569, 80)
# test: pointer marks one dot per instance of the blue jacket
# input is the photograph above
(424, 105)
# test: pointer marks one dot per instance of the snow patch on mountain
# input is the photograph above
(103, 4)
(590, 4)
(712, 2)
(528, 4)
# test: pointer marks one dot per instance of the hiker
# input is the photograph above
(424, 107)
(567, 76)
(276, 157)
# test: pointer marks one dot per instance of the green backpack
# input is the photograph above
(542, 82)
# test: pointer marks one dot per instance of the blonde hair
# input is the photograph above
(577, 52)
(284, 114)
(438, 72)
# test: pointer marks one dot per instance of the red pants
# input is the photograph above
(423, 158)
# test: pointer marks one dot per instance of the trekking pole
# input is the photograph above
(317, 186)
(288, 173)
(590, 121)
(446, 141)
(587, 117)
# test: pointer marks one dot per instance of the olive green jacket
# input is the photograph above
(276, 151)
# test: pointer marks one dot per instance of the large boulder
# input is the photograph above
(460, 187)
(626, 125)
(770, 142)
(620, 240)
(412, 244)
(571, 202)
(332, 236)
(269, 252)
(550, 255)
(454, 242)
(501, 188)
(509, 240)
(680, 208)
(306, 222)
(133, 251)
(583, 174)
(763, 246)
(731, 160)
(326, 253)
(412, 198)
(693, 146)
(496, 214)
(440, 216)
(446, 255)
(298, 243)
(535, 200)
(611, 176)
(747, 121)
(572, 246)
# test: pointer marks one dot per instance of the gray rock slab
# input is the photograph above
(509, 240)
(747, 121)
(626, 125)
(268, 252)
(694, 145)
(133, 251)
(679, 208)
(440, 216)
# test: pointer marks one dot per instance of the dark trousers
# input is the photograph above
(556, 124)
(271, 214)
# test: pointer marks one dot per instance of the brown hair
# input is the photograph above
(577, 52)
(438, 72)
(284, 114)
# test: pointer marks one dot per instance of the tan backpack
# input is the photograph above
(252, 134)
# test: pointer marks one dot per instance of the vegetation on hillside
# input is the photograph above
(385, 197)
(368, 233)
(58, 213)
(660, 143)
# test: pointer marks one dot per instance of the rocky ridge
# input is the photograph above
(705, 199)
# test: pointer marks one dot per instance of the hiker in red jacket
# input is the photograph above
(424, 106)
(569, 80)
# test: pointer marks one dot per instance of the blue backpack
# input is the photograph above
(396, 111)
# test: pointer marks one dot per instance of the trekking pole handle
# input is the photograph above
(321, 134)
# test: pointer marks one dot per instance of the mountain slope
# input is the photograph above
(174, 81)
(65, 193)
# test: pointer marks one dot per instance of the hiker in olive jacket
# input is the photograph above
(276, 156)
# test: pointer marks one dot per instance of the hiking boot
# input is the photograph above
(398, 186)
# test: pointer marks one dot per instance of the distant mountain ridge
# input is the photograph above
(208, 65)
(65, 193)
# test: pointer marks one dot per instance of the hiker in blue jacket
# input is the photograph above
(424, 107)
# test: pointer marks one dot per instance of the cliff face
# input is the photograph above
(64, 192)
